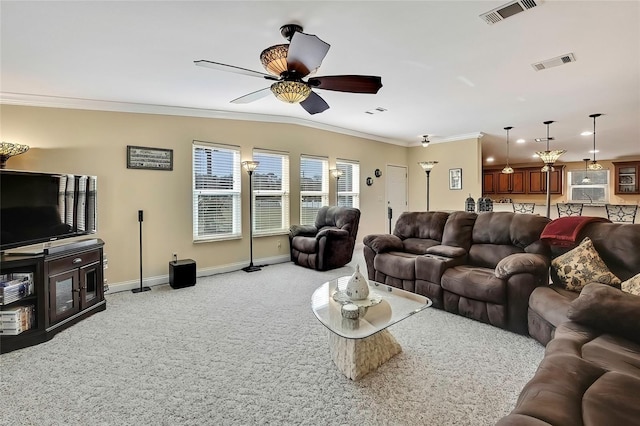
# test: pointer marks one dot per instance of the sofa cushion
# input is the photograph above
(475, 283)
(305, 244)
(552, 303)
(396, 264)
(580, 266)
(607, 309)
(418, 245)
(632, 285)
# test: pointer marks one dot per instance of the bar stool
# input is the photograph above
(621, 212)
(569, 209)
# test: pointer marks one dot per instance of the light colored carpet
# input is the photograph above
(246, 349)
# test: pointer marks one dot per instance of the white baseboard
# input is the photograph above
(204, 272)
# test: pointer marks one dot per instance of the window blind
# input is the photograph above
(216, 192)
(349, 184)
(271, 193)
(314, 187)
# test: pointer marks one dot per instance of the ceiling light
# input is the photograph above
(8, 150)
(490, 159)
(291, 91)
(587, 133)
(586, 179)
(520, 141)
(592, 151)
(535, 156)
(594, 164)
(425, 141)
(549, 157)
(507, 169)
(274, 59)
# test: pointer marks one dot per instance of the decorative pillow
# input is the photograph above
(632, 285)
(580, 266)
(607, 309)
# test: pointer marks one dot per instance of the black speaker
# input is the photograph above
(182, 273)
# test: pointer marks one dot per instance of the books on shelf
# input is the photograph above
(17, 319)
(15, 286)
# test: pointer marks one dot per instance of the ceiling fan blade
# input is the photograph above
(253, 96)
(306, 53)
(231, 68)
(348, 83)
(314, 104)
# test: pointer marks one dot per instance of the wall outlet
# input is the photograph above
(175, 257)
(279, 244)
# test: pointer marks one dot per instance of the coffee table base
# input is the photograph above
(356, 358)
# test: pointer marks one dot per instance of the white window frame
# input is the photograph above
(272, 157)
(348, 187)
(236, 206)
(306, 215)
(580, 174)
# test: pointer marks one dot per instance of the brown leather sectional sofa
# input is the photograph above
(590, 374)
(493, 267)
(483, 266)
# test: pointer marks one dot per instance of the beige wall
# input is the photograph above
(464, 154)
(94, 142)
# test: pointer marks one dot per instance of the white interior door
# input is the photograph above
(396, 193)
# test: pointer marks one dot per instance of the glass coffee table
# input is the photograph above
(359, 346)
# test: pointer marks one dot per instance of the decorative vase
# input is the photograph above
(357, 286)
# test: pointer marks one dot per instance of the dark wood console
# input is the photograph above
(68, 286)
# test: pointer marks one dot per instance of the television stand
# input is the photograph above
(67, 285)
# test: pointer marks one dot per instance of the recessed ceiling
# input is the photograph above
(445, 72)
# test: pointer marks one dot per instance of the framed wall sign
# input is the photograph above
(139, 157)
(455, 178)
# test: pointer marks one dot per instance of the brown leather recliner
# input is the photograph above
(329, 243)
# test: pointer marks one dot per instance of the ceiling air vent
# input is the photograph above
(503, 12)
(554, 62)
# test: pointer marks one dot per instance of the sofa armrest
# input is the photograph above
(522, 263)
(335, 233)
(302, 230)
(607, 309)
(447, 251)
(381, 243)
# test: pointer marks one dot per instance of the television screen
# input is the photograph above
(41, 207)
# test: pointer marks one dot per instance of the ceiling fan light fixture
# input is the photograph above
(291, 92)
(274, 59)
(425, 141)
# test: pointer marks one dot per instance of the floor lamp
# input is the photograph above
(250, 166)
(336, 173)
(549, 158)
(427, 166)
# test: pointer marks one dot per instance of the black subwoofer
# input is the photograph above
(182, 273)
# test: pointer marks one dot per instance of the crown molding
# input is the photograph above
(24, 99)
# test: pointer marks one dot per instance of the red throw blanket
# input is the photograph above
(564, 231)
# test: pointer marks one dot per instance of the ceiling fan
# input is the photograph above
(288, 64)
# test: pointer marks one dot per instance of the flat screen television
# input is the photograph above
(40, 207)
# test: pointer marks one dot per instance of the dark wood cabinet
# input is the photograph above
(68, 286)
(537, 181)
(496, 182)
(626, 177)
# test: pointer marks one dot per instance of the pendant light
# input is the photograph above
(507, 169)
(594, 164)
(586, 179)
(549, 157)
(425, 141)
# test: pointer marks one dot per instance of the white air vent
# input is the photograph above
(554, 62)
(377, 110)
(503, 12)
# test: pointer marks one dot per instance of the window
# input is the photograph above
(314, 187)
(349, 184)
(595, 190)
(271, 193)
(216, 192)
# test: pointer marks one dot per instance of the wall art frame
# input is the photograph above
(140, 157)
(455, 179)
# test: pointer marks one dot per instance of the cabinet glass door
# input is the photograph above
(90, 285)
(63, 296)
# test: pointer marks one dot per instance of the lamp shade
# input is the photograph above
(291, 91)
(594, 165)
(8, 150)
(427, 165)
(274, 59)
(250, 166)
(550, 157)
(336, 173)
(507, 170)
